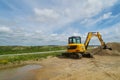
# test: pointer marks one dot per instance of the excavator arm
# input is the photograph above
(96, 34)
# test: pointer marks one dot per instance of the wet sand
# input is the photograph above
(25, 72)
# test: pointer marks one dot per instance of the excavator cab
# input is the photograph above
(74, 40)
(75, 45)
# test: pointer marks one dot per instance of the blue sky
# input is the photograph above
(51, 22)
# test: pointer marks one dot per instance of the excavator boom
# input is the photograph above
(96, 34)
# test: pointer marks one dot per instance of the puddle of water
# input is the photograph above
(19, 73)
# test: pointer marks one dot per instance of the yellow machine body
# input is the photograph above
(75, 48)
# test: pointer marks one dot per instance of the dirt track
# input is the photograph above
(98, 68)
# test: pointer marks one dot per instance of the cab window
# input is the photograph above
(74, 40)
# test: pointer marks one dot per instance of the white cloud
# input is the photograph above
(4, 29)
(86, 8)
(41, 38)
(107, 15)
(44, 15)
(47, 20)
(90, 21)
(111, 34)
(68, 11)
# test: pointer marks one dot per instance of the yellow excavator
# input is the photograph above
(76, 49)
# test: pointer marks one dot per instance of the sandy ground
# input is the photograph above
(97, 68)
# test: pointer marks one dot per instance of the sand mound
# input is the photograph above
(115, 49)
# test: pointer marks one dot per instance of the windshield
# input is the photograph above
(74, 40)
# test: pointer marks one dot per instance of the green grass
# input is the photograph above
(18, 59)
(28, 49)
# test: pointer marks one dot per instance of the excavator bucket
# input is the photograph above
(106, 47)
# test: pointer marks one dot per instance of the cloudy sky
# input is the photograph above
(51, 22)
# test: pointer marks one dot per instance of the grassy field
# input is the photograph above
(28, 49)
(17, 59)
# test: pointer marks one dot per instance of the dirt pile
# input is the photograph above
(115, 49)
